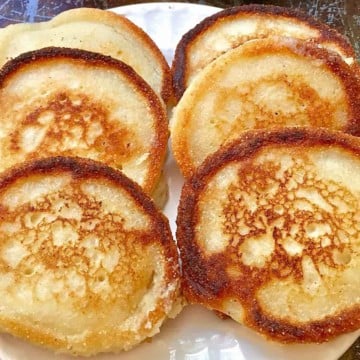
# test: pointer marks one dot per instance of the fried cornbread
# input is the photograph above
(87, 262)
(234, 26)
(268, 231)
(262, 84)
(94, 30)
(70, 102)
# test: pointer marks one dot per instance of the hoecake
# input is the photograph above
(268, 232)
(94, 30)
(263, 83)
(71, 102)
(87, 262)
(232, 27)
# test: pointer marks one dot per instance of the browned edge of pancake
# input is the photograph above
(179, 65)
(85, 169)
(115, 20)
(210, 285)
(99, 60)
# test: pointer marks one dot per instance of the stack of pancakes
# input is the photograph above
(88, 264)
(264, 133)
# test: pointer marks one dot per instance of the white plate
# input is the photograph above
(196, 334)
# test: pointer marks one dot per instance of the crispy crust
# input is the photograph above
(84, 169)
(179, 66)
(205, 280)
(332, 61)
(99, 60)
(113, 19)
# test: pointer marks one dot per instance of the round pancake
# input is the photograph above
(262, 84)
(234, 26)
(268, 232)
(87, 262)
(70, 102)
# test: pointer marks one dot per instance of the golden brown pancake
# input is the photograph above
(262, 84)
(87, 262)
(268, 231)
(94, 30)
(234, 26)
(70, 102)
